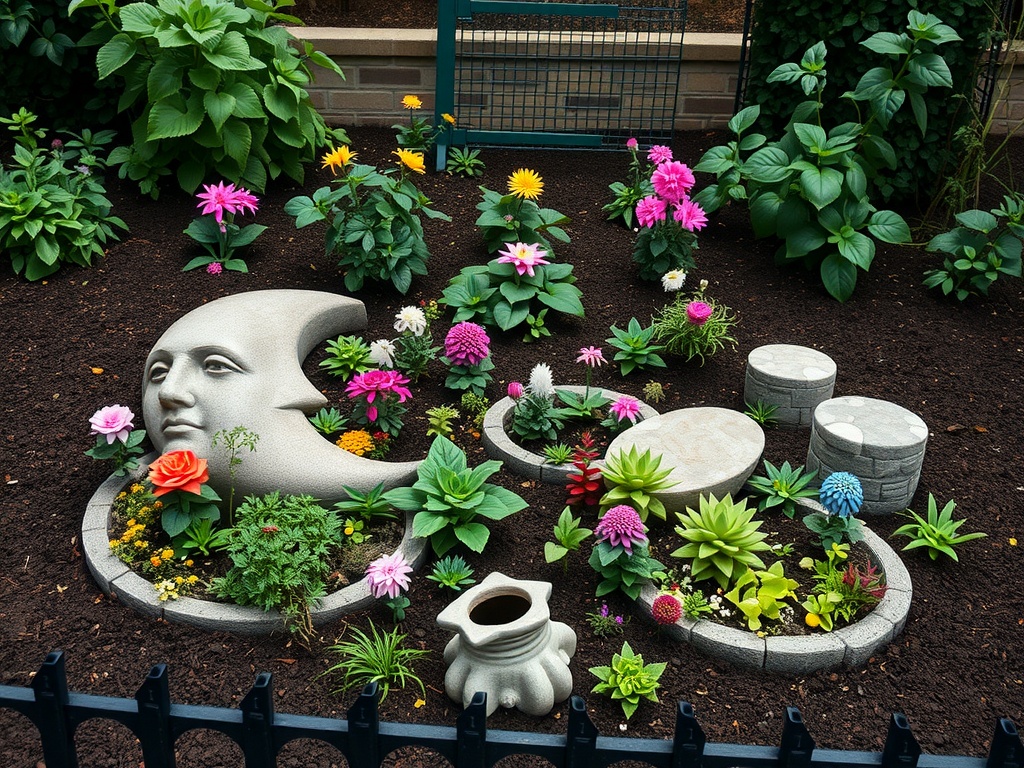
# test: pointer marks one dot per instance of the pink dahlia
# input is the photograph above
(698, 312)
(672, 180)
(689, 215)
(219, 199)
(515, 390)
(524, 257)
(659, 154)
(592, 356)
(373, 383)
(650, 211)
(113, 421)
(621, 526)
(625, 407)
(467, 344)
(388, 575)
(666, 609)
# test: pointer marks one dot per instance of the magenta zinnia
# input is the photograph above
(672, 180)
(373, 383)
(621, 526)
(221, 198)
(467, 344)
(388, 575)
(524, 257)
(650, 211)
(625, 407)
(689, 215)
(698, 312)
(666, 609)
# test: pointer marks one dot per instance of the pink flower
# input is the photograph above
(672, 180)
(698, 312)
(650, 211)
(689, 215)
(666, 609)
(515, 390)
(373, 383)
(621, 526)
(659, 154)
(467, 344)
(625, 407)
(114, 421)
(524, 257)
(592, 356)
(219, 199)
(214, 268)
(632, 144)
(388, 575)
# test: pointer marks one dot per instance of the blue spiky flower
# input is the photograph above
(841, 494)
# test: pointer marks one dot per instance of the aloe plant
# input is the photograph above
(633, 478)
(938, 534)
(780, 486)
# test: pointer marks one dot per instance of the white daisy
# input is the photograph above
(540, 381)
(673, 280)
(411, 319)
(382, 353)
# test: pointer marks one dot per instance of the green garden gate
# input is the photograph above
(565, 74)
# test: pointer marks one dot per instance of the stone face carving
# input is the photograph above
(237, 361)
(507, 646)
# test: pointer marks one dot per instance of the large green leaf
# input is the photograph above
(168, 121)
(889, 227)
(232, 53)
(821, 186)
(562, 297)
(219, 106)
(768, 165)
(839, 276)
(473, 535)
(857, 248)
(115, 53)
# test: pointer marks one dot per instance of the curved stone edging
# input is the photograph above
(115, 578)
(517, 459)
(851, 645)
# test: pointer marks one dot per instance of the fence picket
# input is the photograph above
(471, 730)
(154, 702)
(901, 749)
(50, 686)
(258, 724)
(689, 740)
(363, 729)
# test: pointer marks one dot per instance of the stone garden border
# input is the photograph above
(531, 465)
(116, 579)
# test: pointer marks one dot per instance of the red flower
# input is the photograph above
(178, 471)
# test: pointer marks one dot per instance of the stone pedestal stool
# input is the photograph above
(792, 378)
(880, 442)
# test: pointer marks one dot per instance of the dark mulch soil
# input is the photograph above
(957, 667)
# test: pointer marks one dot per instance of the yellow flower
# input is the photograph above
(1013, 542)
(812, 620)
(114, 543)
(411, 102)
(192, 579)
(189, 563)
(140, 544)
(450, 119)
(412, 160)
(338, 158)
(167, 554)
(357, 441)
(525, 184)
(155, 561)
(179, 580)
(137, 488)
(131, 522)
(349, 530)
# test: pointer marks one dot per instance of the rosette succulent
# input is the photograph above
(628, 679)
(633, 478)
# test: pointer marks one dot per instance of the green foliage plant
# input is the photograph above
(439, 421)
(984, 246)
(557, 453)
(378, 657)
(761, 595)
(762, 413)
(654, 392)
(202, 537)
(695, 605)
(346, 356)
(780, 486)
(604, 623)
(418, 133)
(585, 406)
(634, 477)
(328, 421)
(835, 529)
(626, 196)
(452, 572)
(535, 328)
(681, 336)
(622, 570)
(937, 533)
(53, 205)
(628, 680)
(722, 539)
(464, 162)
(635, 348)
(279, 550)
(513, 219)
(812, 189)
(569, 536)
(234, 440)
(475, 406)
(847, 588)
(215, 88)
(536, 417)
(369, 507)
(448, 497)
(821, 609)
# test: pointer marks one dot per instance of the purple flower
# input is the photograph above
(214, 268)
(650, 211)
(659, 154)
(604, 609)
(689, 215)
(625, 407)
(56, 144)
(388, 575)
(515, 390)
(592, 356)
(621, 526)
(114, 421)
(698, 312)
(672, 180)
(618, 619)
(467, 344)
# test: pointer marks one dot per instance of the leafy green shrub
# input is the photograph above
(439, 421)
(376, 658)
(695, 328)
(938, 533)
(516, 217)
(568, 538)
(633, 477)
(217, 87)
(448, 496)
(628, 679)
(347, 355)
(367, 506)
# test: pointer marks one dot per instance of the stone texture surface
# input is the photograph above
(744, 649)
(711, 450)
(880, 442)
(794, 379)
(792, 655)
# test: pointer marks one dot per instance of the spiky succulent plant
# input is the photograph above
(633, 478)
(628, 679)
(722, 540)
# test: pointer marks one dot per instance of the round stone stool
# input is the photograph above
(794, 379)
(880, 442)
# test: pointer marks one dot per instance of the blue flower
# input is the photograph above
(841, 494)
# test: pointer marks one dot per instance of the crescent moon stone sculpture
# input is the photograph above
(237, 361)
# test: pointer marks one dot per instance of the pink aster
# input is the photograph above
(621, 526)
(373, 383)
(112, 421)
(659, 154)
(673, 180)
(689, 215)
(625, 407)
(666, 609)
(698, 312)
(214, 268)
(388, 575)
(524, 257)
(467, 344)
(632, 144)
(650, 211)
(515, 390)
(222, 198)
(592, 356)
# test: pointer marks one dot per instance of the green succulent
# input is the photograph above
(633, 478)
(366, 506)
(635, 348)
(439, 420)
(938, 534)
(723, 540)
(821, 610)
(628, 679)
(328, 421)
(452, 572)
(781, 486)
(761, 594)
(346, 355)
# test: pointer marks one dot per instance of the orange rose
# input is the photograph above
(178, 471)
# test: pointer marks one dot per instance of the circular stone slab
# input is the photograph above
(711, 450)
(792, 378)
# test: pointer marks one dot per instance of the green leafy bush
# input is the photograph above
(628, 679)
(568, 538)
(516, 217)
(635, 348)
(688, 334)
(762, 594)
(346, 355)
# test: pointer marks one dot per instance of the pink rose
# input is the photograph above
(114, 421)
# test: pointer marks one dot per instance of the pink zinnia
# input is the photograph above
(113, 421)
(625, 407)
(467, 344)
(214, 268)
(388, 575)
(666, 609)
(219, 199)
(659, 154)
(592, 356)
(689, 215)
(515, 390)
(373, 383)
(672, 180)
(650, 211)
(621, 526)
(698, 312)
(632, 144)
(524, 257)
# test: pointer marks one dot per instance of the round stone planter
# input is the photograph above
(517, 459)
(851, 645)
(115, 578)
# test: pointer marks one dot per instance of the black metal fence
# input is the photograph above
(365, 741)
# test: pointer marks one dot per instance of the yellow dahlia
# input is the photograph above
(525, 184)
(338, 158)
(411, 102)
(412, 160)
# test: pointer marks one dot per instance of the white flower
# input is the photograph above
(382, 353)
(540, 381)
(411, 319)
(673, 279)
(703, 285)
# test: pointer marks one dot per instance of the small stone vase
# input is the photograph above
(507, 646)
